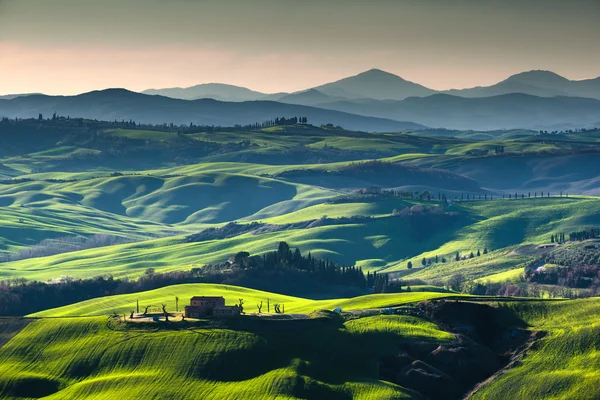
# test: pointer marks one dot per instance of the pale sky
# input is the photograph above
(74, 46)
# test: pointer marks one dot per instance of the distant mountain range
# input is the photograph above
(375, 84)
(121, 104)
(536, 83)
(217, 91)
(380, 85)
(371, 101)
(12, 96)
(506, 111)
(439, 110)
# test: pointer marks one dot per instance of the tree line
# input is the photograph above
(284, 270)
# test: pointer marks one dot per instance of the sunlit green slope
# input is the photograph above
(565, 364)
(383, 242)
(83, 358)
(121, 304)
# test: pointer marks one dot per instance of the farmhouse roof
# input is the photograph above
(208, 298)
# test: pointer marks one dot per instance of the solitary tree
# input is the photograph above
(409, 265)
(456, 282)
(241, 305)
(259, 306)
(424, 261)
(164, 310)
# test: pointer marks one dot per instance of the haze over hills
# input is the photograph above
(537, 83)
(507, 111)
(440, 110)
(380, 85)
(13, 96)
(309, 97)
(121, 104)
(217, 91)
(375, 84)
(373, 101)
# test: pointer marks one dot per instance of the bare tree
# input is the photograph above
(241, 306)
(259, 306)
(146, 310)
(164, 310)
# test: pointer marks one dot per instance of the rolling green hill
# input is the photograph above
(89, 358)
(562, 365)
(121, 304)
(146, 194)
(382, 243)
(83, 357)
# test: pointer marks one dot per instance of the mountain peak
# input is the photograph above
(111, 92)
(537, 76)
(375, 84)
(378, 74)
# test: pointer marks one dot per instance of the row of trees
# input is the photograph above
(58, 120)
(381, 283)
(557, 238)
(585, 235)
(435, 260)
(579, 236)
(284, 258)
(445, 198)
(523, 288)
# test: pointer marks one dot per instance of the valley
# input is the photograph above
(430, 244)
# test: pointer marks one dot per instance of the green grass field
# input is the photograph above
(565, 364)
(83, 357)
(79, 186)
(379, 244)
(123, 304)
(383, 243)
(87, 358)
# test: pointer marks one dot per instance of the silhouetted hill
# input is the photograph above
(308, 97)
(217, 91)
(537, 83)
(498, 112)
(375, 84)
(121, 104)
(12, 96)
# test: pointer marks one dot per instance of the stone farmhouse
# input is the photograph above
(204, 306)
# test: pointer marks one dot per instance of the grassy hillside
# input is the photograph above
(383, 243)
(88, 357)
(125, 303)
(65, 185)
(565, 363)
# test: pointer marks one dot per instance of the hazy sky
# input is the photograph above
(73, 46)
